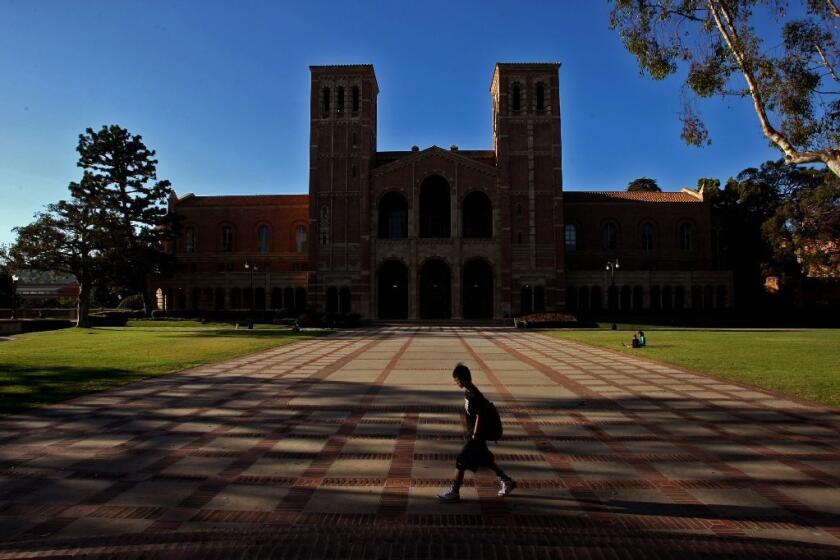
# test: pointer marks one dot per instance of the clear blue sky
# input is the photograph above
(220, 90)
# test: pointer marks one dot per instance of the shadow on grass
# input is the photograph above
(25, 388)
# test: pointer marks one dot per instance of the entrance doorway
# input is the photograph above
(435, 290)
(478, 290)
(393, 290)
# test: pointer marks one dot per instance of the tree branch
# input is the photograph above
(827, 64)
(835, 11)
(726, 27)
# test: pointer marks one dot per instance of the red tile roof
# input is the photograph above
(624, 196)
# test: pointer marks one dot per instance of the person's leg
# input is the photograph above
(508, 484)
(454, 492)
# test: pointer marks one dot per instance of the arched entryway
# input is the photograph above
(393, 290)
(435, 290)
(478, 290)
(477, 215)
(434, 207)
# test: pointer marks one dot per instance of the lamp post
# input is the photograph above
(611, 267)
(15, 279)
(251, 268)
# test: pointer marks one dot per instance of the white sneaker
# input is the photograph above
(508, 486)
(450, 496)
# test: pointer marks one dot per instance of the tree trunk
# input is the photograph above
(834, 164)
(147, 301)
(83, 310)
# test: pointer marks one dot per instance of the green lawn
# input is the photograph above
(804, 364)
(47, 367)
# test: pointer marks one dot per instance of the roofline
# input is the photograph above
(317, 67)
(496, 67)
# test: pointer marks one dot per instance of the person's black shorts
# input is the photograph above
(473, 455)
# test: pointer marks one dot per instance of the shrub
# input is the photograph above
(134, 302)
(540, 320)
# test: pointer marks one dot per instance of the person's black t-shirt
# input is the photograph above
(474, 404)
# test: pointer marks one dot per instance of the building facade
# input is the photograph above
(444, 233)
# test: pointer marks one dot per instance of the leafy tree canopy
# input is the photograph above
(643, 184)
(120, 180)
(782, 55)
(66, 238)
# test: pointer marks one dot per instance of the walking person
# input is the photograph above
(480, 413)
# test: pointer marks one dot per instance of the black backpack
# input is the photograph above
(491, 423)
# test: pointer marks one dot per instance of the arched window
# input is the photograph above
(264, 237)
(686, 234)
(609, 239)
(540, 97)
(344, 300)
(332, 299)
(393, 216)
(300, 239)
(325, 101)
(526, 300)
(696, 297)
(516, 100)
(434, 207)
(477, 215)
(612, 298)
(571, 297)
(300, 299)
(189, 240)
(571, 237)
(655, 298)
(679, 298)
(638, 298)
(354, 99)
(539, 299)
(647, 237)
(227, 239)
(720, 297)
(339, 102)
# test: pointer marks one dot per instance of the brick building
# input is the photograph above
(444, 233)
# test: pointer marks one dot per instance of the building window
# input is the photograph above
(516, 100)
(647, 237)
(344, 300)
(354, 95)
(264, 235)
(686, 234)
(477, 218)
(353, 139)
(189, 237)
(339, 103)
(300, 239)
(610, 237)
(325, 101)
(571, 237)
(393, 216)
(227, 239)
(540, 97)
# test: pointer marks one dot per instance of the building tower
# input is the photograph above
(527, 142)
(341, 149)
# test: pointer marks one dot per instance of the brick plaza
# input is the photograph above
(336, 447)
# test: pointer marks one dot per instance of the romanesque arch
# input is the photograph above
(434, 207)
(393, 216)
(477, 290)
(392, 293)
(477, 215)
(435, 290)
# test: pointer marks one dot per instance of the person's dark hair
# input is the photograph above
(462, 372)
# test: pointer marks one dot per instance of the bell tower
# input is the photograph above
(527, 142)
(342, 146)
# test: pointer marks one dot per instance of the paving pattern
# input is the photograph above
(336, 448)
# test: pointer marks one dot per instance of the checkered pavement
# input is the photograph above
(348, 438)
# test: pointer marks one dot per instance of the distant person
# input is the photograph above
(475, 453)
(642, 339)
(635, 343)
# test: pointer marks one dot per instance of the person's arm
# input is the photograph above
(475, 428)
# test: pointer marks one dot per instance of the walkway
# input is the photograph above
(336, 447)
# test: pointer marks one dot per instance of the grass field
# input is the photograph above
(46, 367)
(804, 364)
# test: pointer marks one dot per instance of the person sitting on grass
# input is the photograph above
(642, 339)
(635, 343)
(475, 453)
